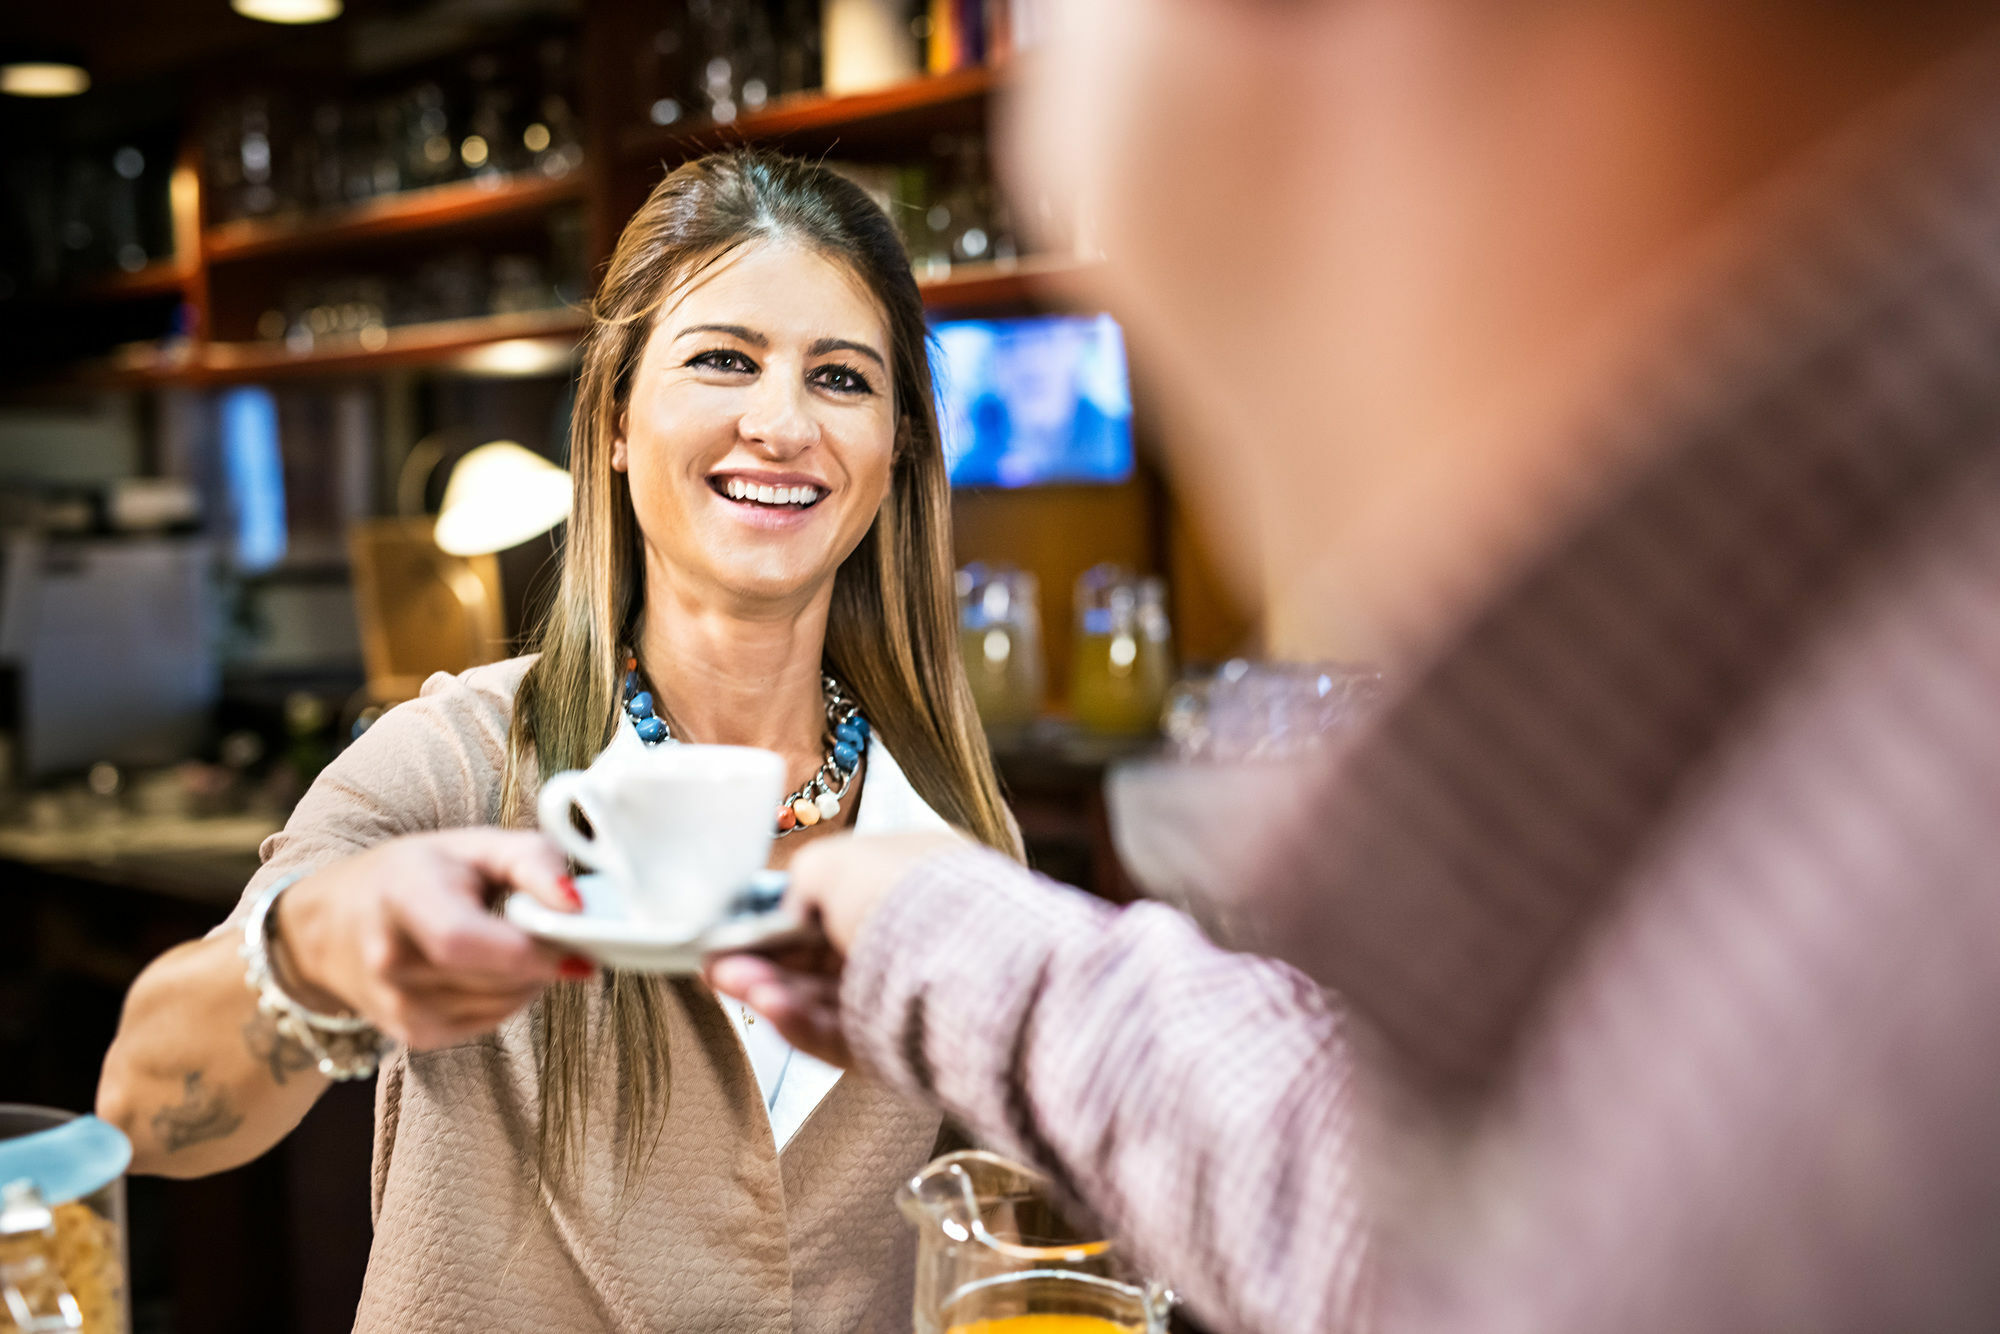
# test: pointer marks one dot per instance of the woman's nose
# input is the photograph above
(778, 420)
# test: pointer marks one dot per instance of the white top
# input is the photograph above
(792, 1082)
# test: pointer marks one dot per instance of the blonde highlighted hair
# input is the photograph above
(891, 631)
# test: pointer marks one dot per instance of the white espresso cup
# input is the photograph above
(681, 829)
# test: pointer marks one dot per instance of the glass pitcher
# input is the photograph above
(993, 1257)
(62, 1223)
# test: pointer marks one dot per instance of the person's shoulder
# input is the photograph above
(481, 697)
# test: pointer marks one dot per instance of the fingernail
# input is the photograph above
(567, 884)
(576, 968)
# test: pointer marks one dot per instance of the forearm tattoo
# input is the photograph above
(278, 1053)
(203, 1114)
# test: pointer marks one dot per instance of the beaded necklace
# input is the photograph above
(820, 795)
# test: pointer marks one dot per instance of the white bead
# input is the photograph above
(829, 805)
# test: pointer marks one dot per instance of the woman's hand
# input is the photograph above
(403, 935)
(836, 885)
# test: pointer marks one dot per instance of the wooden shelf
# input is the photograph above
(441, 207)
(409, 345)
(1036, 280)
(160, 278)
(926, 103)
(969, 289)
(545, 338)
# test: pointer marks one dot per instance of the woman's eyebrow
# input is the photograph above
(737, 331)
(823, 346)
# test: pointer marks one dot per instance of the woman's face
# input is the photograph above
(760, 428)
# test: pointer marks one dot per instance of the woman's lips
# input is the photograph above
(751, 491)
(790, 505)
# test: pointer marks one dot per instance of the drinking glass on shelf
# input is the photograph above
(1000, 638)
(1122, 656)
(1192, 823)
(1254, 711)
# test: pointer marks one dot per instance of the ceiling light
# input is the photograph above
(287, 11)
(43, 78)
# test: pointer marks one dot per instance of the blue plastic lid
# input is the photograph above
(69, 1161)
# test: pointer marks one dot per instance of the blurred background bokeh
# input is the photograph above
(290, 296)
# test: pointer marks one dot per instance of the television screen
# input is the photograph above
(1023, 402)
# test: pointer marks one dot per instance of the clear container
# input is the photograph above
(1122, 657)
(1000, 639)
(62, 1223)
(993, 1257)
(1250, 711)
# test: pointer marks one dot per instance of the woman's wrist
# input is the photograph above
(296, 930)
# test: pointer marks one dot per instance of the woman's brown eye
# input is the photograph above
(722, 361)
(842, 380)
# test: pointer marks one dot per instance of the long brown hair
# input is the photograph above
(891, 631)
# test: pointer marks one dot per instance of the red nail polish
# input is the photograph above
(576, 968)
(567, 884)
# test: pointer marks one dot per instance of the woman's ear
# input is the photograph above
(619, 454)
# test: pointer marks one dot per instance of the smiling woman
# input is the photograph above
(758, 555)
(760, 430)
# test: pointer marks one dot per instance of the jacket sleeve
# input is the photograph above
(434, 762)
(1197, 1101)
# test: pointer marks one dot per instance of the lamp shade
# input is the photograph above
(499, 496)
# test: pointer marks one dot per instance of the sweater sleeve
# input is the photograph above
(434, 762)
(1197, 1101)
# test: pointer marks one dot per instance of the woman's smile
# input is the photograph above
(768, 499)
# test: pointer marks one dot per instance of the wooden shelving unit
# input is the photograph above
(438, 209)
(249, 254)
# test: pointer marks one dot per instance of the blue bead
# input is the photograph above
(849, 734)
(846, 756)
(631, 683)
(861, 725)
(651, 730)
(640, 705)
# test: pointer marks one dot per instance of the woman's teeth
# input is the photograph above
(800, 496)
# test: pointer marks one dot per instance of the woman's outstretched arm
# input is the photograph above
(400, 934)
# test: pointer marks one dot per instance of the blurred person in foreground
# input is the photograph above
(1629, 377)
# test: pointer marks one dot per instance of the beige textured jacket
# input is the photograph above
(722, 1232)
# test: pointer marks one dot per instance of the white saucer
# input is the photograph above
(604, 932)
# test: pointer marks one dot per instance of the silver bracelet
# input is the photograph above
(343, 1046)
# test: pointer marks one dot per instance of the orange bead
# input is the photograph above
(807, 813)
(786, 820)
(631, 664)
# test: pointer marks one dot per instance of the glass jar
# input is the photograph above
(1000, 639)
(62, 1223)
(1122, 656)
(994, 1257)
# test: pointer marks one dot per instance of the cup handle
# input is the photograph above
(558, 795)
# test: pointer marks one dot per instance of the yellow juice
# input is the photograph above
(1045, 1324)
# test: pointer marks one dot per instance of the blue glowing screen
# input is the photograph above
(253, 467)
(1024, 402)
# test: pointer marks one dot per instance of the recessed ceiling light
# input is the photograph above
(287, 11)
(43, 78)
